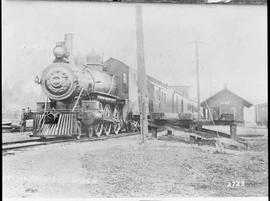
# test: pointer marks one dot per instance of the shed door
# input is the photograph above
(214, 112)
(226, 109)
(233, 109)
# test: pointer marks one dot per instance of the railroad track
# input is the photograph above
(39, 142)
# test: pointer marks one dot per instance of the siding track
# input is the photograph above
(39, 142)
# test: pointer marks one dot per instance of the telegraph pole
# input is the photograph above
(198, 81)
(210, 85)
(141, 74)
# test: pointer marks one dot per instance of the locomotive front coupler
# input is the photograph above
(51, 117)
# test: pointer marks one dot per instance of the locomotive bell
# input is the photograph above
(60, 50)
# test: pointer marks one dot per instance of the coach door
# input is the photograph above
(182, 105)
(177, 105)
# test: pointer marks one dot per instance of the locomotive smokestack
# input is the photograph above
(69, 45)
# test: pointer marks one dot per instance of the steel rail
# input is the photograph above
(39, 142)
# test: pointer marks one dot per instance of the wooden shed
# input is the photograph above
(225, 105)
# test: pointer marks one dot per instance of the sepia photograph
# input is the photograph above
(144, 101)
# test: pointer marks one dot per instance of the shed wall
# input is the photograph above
(227, 103)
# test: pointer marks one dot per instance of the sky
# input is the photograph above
(233, 47)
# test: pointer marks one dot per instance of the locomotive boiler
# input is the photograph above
(61, 81)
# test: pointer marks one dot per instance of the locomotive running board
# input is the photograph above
(66, 126)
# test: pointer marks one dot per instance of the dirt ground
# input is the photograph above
(16, 136)
(124, 168)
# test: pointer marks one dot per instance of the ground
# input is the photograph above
(124, 168)
(13, 137)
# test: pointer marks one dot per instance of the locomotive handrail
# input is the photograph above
(77, 100)
(111, 84)
(64, 111)
(45, 108)
(108, 95)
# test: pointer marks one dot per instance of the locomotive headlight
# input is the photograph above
(59, 51)
(56, 81)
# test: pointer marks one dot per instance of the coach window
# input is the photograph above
(124, 78)
(182, 105)
(162, 96)
(177, 106)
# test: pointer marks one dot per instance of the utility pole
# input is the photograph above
(141, 74)
(198, 81)
(210, 85)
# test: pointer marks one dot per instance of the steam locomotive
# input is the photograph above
(98, 98)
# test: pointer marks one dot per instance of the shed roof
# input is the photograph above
(245, 102)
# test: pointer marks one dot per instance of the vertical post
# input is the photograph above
(154, 133)
(210, 80)
(198, 83)
(233, 131)
(141, 73)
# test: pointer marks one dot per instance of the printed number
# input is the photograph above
(234, 184)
